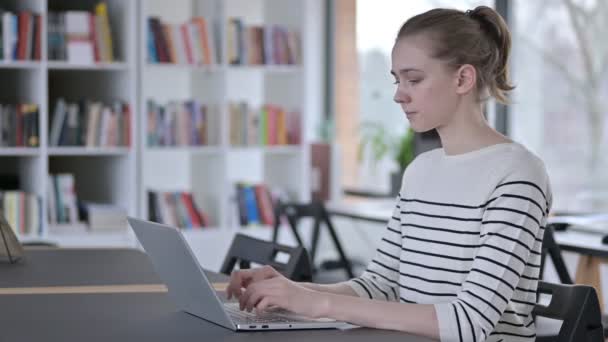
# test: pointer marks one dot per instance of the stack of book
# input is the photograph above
(177, 209)
(62, 199)
(23, 211)
(270, 125)
(20, 36)
(80, 37)
(192, 42)
(262, 45)
(90, 123)
(187, 123)
(103, 217)
(19, 125)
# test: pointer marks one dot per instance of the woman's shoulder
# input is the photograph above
(518, 159)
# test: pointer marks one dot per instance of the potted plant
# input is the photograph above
(377, 140)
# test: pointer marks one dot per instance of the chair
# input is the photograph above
(579, 309)
(551, 248)
(247, 250)
(316, 210)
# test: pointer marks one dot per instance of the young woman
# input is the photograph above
(460, 258)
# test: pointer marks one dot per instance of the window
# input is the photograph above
(376, 29)
(559, 110)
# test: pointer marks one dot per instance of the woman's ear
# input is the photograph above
(466, 79)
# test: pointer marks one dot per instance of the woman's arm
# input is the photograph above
(419, 319)
(281, 292)
(337, 288)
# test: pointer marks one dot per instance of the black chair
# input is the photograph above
(315, 210)
(551, 249)
(579, 309)
(247, 250)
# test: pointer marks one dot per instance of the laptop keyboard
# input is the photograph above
(251, 317)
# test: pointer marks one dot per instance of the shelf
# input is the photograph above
(118, 238)
(19, 151)
(288, 149)
(267, 68)
(282, 149)
(59, 65)
(186, 149)
(28, 65)
(89, 151)
(29, 238)
(184, 67)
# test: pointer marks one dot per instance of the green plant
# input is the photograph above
(376, 139)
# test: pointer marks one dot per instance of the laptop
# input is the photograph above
(192, 292)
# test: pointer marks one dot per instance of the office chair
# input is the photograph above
(247, 250)
(551, 248)
(316, 210)
(579, 309)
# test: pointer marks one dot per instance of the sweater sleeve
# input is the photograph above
(379, 281)
(512, 227)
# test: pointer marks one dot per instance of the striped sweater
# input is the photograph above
(465, 236)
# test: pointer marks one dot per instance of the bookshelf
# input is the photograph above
(123, 175)
(210, 172)
(105, 175)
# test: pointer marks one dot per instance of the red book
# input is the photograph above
(264, 204)
(185, 30)
(192, 212)
(272, 124)
(23, 26)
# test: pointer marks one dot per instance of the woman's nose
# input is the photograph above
(401, 97)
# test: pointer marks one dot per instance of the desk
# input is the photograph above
(119, 317)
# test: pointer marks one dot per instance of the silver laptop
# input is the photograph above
(192, 292)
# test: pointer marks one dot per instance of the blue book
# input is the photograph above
(253, 216)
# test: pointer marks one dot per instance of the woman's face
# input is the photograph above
(426, 87)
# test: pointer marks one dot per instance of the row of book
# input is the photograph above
(19, 125)
(257, 45)
(20, 35)
(255, 204)
(269, 125)
(176, 209)
(90, 123)
(22, 211)
(80, 37)
(182, 123)
(192, 42)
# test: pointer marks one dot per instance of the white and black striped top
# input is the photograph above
(466, 236)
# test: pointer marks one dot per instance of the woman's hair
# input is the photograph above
(478, 37)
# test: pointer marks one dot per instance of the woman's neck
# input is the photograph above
(468, 132)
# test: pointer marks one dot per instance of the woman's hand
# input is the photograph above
(282, 293)
(243, 278)
(267, 289)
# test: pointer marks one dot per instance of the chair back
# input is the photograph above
(292, 262)
(579, 309)
(551, 248)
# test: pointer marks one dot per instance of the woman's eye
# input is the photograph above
(413, 81)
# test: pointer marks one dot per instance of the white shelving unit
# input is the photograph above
(211, 172)
(124, 175)
(101, 175)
